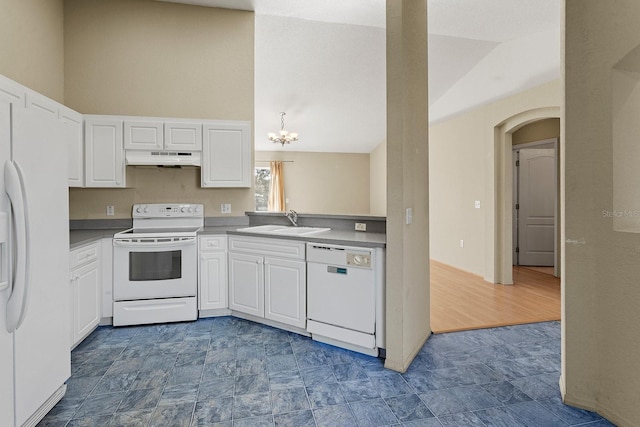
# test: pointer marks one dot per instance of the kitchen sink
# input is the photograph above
(300, 231)
(284, 230)
(262, 228)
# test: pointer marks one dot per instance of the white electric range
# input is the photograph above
(155, 265)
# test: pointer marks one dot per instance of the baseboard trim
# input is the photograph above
(404, 365)
(594, 406)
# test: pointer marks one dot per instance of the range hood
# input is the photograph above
(162, 158)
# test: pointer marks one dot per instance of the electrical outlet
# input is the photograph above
(361, 226)
(225, 208)
(110, 211)
(461, 243)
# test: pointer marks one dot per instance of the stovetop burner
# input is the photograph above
(165, 220)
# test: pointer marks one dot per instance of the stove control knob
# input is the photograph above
(191, 209)
(146, 209)
(183, 209)
(197, 209)
(140, 209)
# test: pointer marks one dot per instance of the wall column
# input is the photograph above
(407, 182)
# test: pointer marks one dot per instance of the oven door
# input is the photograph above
(154, 268)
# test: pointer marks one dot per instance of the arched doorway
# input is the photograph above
(499, 190)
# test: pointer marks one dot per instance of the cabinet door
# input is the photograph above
(226, 155)
(183, 137)
(86, 303)
(72, 125)
(11, 91)
(285, 291)
(42, 104)
(143, 135)
(212, 292)
(246, 284)
(104, 153)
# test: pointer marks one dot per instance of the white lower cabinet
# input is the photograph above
(212, 273)
(285, 291)
(271, 287)
(86, 289)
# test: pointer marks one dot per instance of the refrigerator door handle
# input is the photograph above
(14, 187)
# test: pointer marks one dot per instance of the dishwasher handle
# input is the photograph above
(337, 270)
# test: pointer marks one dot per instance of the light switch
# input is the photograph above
(477, 204)
(409, 216)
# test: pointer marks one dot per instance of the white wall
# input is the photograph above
(328, 78)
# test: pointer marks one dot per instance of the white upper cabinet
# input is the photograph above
(226, 154)
(43, 104)
(143, 135)
(183, 136)
(160, 134)
(72, 121)
(104, 155)
(11, 92)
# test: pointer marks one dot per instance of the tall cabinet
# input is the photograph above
(104, 155)
(212, 272)
(226, 154)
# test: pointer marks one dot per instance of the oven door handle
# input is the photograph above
(153, 244)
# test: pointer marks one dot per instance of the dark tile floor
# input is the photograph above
(231, 372)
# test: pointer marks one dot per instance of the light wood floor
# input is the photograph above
(461, 300)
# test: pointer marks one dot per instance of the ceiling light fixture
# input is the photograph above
(283, 137)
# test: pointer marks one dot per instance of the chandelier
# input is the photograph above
(283, 137)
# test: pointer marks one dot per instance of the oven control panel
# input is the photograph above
(168, 210)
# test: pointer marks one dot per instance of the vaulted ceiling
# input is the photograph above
(323, 63)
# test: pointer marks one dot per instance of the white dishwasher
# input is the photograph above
(341, 296)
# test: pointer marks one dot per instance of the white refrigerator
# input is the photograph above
(34, 265)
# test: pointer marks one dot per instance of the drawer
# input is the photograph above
(266, 246)
(83, 255)
(213, 243)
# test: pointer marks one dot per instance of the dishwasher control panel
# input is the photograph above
(359, 260)
(340, 256)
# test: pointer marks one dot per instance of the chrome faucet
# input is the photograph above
(293, 217)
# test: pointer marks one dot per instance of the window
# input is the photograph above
(263, 182)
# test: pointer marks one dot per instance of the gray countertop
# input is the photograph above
(79, 238)
(337, 237)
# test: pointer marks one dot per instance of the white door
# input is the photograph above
(86, 307)
(226, 155)
(285, 291)
(75, 145)
(213, 281)
(104, 152)
(182, 136)
(6, 339)
(246, 284)
(537, 206)
(147, 135)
